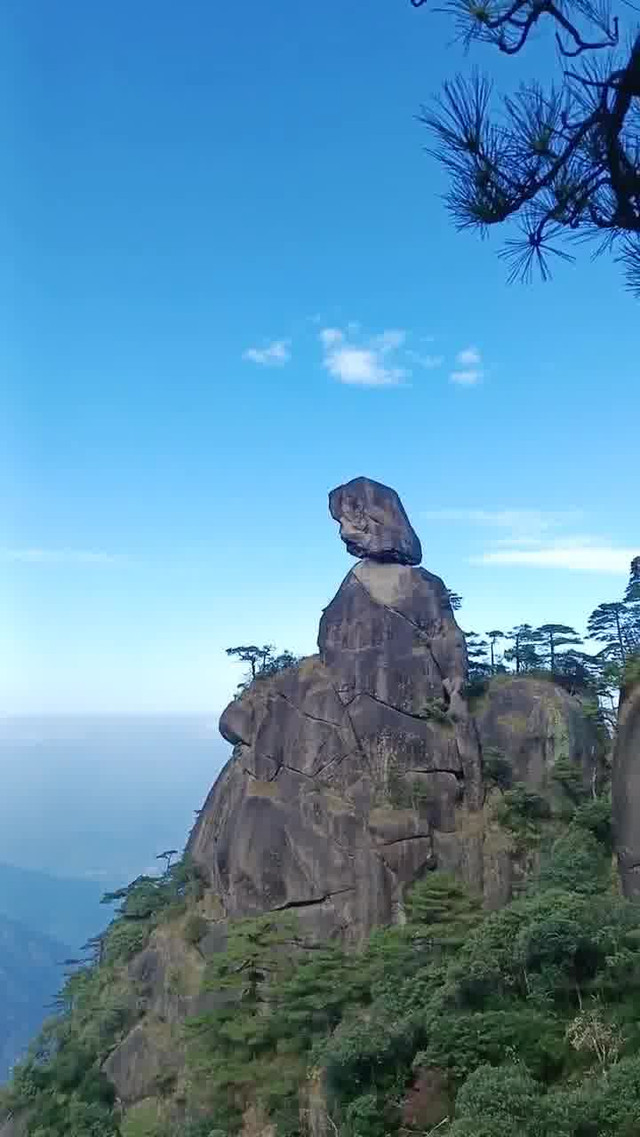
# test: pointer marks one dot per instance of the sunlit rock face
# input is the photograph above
(360, 769)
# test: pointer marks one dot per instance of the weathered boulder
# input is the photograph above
(359, 769)
(532, 723)
(373, 522)
(626, 792)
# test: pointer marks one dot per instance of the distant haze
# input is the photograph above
(100, 797)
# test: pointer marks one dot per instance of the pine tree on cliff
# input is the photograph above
(262, 662)
(477, 649)
(613, 625)
(555, 636)
(561, 159)
(494, 636)
(632, 594)
(632, 601)
(523, 653)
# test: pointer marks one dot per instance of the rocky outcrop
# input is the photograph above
(359, 769)
(626, 792)
(373, 522)
(165, 983)
(347, 766)
(533, 723)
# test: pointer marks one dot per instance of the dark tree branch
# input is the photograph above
(564, 161)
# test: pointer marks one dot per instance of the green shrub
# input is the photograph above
(195, 929)
(595, 816)
(144, 1121)
(568, 774)
(496, 768)
(366, 1056)
(370, 1116)
(522, 812)
(436, 709)
(577, 862)
(461, 1042)
(502, 1101)
(125, 939)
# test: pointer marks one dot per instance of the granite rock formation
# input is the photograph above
(373, 522)
(535, 722)
(352, 774)
(626, 791)
(360, 768)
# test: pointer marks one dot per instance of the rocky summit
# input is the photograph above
(360, 768)
(373, 523)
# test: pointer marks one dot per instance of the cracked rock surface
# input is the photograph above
(626, 793)
(373, 522)
(345, 765)
(359, 769)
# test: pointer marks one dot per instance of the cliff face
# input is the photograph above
(626, 792)
(360, 768)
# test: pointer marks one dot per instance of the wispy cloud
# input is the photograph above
(523, 525)
(274, 354)
(539, 538)
(429, 362)
(468, 370)
(576, 557)
(372, 362)
(61, 556)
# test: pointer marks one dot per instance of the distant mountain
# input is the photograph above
(86, 804)
(43, 921)
(100, 796)
(31, 973)
(67, 910)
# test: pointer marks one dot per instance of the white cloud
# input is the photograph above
(469, 357)
(368, 364)
(331, 336)
(468, 371)
(429, 362)
(60, 556)
(539, 538)
(466, 378)
(275, 354)
(389, 340)
(575, 557)
(525, 524)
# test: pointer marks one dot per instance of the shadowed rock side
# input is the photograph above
(626, 793)
(373, 522)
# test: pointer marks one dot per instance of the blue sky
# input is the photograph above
(228, 284)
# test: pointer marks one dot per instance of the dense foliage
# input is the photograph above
(60, 1087)
(524, 1021)
(529, 1016)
